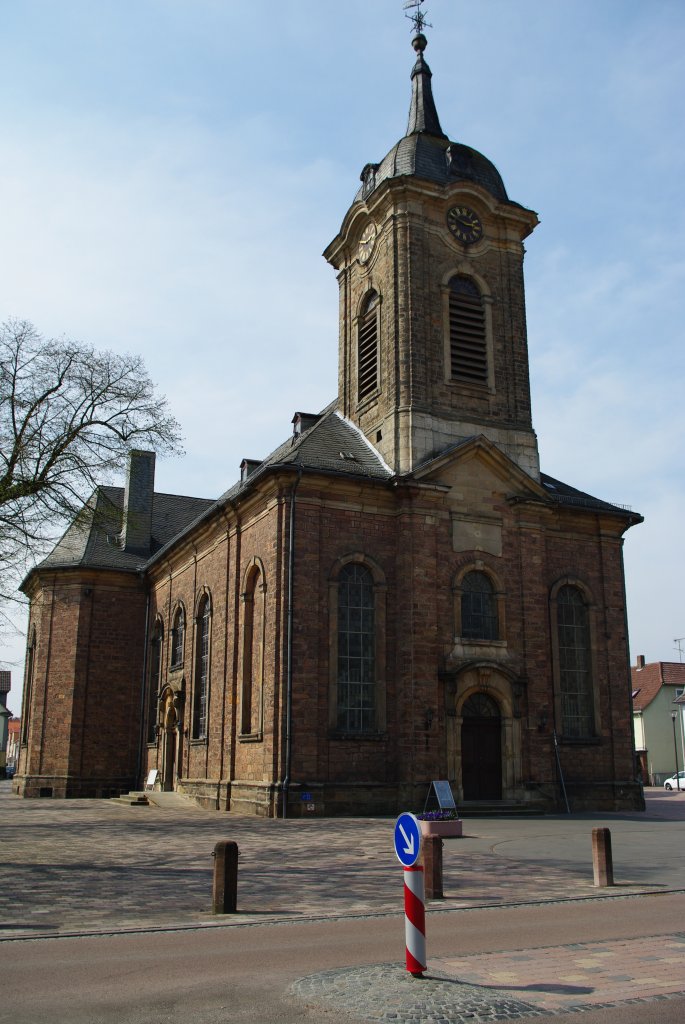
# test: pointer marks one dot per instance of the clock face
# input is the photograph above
(464, 224)
(367, 242)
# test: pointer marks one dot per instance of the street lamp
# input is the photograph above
(674, 715)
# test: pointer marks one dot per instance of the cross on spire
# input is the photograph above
(418, 17)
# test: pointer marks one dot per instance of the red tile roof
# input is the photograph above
(650, 679)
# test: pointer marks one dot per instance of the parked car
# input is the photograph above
(676, 781)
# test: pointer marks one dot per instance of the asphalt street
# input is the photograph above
(105, 916)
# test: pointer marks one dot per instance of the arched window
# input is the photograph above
(28, 689)
(479, 619)
(367, 347)
(253, 652)
(177, 638)
(467, 332)
(356, 650)
(201, 690)
(155, 680)
(574, 663)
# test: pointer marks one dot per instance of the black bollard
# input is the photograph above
(225, 890)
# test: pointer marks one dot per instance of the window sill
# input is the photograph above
(368, 400)
(176, 668)
(198, 741)
(579, 741)
(250, 737)
(467, 642)
(471, 388)
(373, 737)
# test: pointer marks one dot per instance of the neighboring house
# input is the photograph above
(13, 730)
(658, 721)
(396, 594)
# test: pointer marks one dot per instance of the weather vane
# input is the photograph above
(418, 17)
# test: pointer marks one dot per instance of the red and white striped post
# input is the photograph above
(414, 920)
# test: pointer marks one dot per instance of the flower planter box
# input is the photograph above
(444, 829)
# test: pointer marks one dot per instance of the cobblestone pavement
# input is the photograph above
(97, 866)
(504, 986)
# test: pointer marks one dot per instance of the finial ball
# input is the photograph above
(419, 42)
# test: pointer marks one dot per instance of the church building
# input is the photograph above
(397, 594)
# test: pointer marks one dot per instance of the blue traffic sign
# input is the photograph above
(407, 839)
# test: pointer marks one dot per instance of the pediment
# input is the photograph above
(478, 479)
(478, 463)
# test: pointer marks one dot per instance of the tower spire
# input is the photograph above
(423, 116)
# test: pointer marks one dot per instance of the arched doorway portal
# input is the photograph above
(170, 749)
(481, 748)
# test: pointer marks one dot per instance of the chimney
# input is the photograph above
(640, 662)
(136, 534)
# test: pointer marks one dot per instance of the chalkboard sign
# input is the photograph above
(441, 792)
(151, 778)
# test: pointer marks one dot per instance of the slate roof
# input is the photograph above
(426, 152)
(564, 494)
(331, 444)
(92, 539)
(650, 679)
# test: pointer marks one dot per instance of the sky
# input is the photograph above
(173, 169)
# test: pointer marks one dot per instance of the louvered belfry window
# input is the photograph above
(367, 347)
(468, 347)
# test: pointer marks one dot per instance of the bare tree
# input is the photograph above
(69, 416)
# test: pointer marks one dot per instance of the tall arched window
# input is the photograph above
(367, 347)
(574, 663)
(201, 690)
(155, 680)
(253, 653)
(467, 332)
(479, 619)
(356, 650)
(28, 689)
(178, 638)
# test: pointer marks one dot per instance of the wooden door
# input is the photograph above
(481, 749)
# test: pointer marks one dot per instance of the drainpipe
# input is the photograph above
(285, 785)
(143, 686)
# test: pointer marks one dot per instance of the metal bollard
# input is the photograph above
(225, 889)
(602, 860)
(432, 863)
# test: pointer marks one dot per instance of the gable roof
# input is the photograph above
(650, 679)
(328, 444)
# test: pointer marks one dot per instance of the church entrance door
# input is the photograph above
(169, 760)
(481, 748)
(170, 748)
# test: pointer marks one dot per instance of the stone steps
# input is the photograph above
(499, 809)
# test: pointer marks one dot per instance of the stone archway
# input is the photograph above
(484, 739)
(170, 745)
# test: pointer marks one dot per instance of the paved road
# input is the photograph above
(319, 934)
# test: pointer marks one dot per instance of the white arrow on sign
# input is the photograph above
(409, 840)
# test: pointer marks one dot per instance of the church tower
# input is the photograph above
(432, 343)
